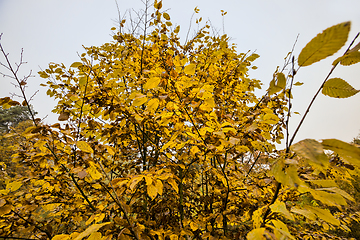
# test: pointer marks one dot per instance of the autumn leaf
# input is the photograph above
(5, 209)
(324, 44)
(76, 64)
(61, 237)
(190, 69)
(93, 228)
(64, 116)
(13, 186)
(281, 208)
(338, 88)
(84, 146)
(256, 234)
(151, 83)
(152, 105)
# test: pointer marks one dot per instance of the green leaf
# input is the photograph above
(311, 150)
(76, 64)
(349, 153)
(93, 228)
(338, 88)
(324, 44)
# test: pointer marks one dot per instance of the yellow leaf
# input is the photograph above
(76, 64)
(325, 215)
(152, 105)
(273, 88)
(311, 150)
(281, 83)
(13, 186)
(324, 44)
(95, 236)
(281, 230)
(166, 16)
(152, 191)
(173, 183)
(110, 150)
(339, 191)
(148, 180)
(83, 81)
(331, 199)
(349, 153)
(139, 100)
(270, 118)
(93, 228)
(134, 181)
(256, 234)
(256, 218)
(338, 88)
(84, 146)
(324, 183)
(90, 220)
(348, 59)
(94, 173)
(61, 237)
(190, 69)
(281, 208)
(151, 83)
(306, 213)
(159, 186)
(174, 237)
(193, 226)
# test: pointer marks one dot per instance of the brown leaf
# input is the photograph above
(64, 116)
(82, 174)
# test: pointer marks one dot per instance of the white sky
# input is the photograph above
(55, 30)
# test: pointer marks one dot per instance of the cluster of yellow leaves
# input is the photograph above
(163, 140)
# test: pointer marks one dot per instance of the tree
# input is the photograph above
(163, 140)
(12, 117)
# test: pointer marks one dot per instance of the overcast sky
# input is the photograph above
(55, 30)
